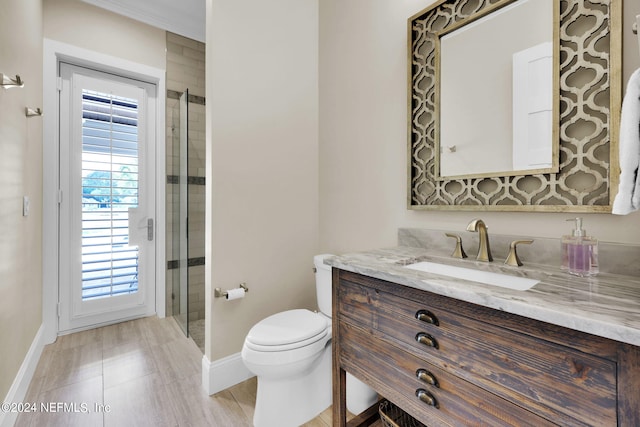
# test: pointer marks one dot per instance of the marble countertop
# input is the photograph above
(607, 305)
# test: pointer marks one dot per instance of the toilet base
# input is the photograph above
(293, 401)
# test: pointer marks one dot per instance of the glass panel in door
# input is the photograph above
(109, 190)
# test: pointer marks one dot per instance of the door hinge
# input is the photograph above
(58, 309)
(59, 83)
(59, 196)
(150, 229)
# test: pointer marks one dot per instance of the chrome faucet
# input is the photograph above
(484, 251)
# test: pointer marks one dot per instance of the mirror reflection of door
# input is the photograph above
(533, 108)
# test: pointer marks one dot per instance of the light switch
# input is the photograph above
(25, 206)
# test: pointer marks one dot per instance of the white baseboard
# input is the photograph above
(223, 373)
(18, 390)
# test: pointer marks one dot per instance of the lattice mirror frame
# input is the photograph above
(589, 110)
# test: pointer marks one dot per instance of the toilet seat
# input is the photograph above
(287, 330)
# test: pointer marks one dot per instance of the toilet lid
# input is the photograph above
(287, 327)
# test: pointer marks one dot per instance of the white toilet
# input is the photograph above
(290, 353)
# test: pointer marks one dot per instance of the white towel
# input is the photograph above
(628, 198)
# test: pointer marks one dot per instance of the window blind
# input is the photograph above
(109, 188)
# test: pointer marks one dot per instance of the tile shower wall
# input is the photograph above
(186, 70)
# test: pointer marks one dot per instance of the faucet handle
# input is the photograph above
(458, 252)
(512, 258)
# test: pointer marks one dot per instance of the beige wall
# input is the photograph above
(20, 175)
(80, 24)
(363, 135)
(262, 162)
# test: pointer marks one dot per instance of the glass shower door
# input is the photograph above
(181, 210)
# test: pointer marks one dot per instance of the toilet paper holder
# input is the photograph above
(219, 293)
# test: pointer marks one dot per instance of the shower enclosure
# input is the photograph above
(185, 213)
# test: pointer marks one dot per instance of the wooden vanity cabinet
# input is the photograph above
(451, 363)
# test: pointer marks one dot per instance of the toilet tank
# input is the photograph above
(323, 283)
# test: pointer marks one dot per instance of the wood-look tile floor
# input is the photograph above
(143, 372)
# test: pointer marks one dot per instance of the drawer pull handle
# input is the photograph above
(426, 397)
(427, 316)
(427, 340)
(427, 377)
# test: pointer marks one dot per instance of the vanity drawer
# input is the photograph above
(552, 380)
(358, 303)
(393, 373)
(511, 364)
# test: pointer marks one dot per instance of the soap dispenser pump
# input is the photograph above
(580, 251)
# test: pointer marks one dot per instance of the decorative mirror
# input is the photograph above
(514, 105)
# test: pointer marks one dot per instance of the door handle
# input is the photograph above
(150, 229)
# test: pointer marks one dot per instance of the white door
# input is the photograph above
(533, 108)
(107, 202)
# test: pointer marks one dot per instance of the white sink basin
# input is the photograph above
(486, 277)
